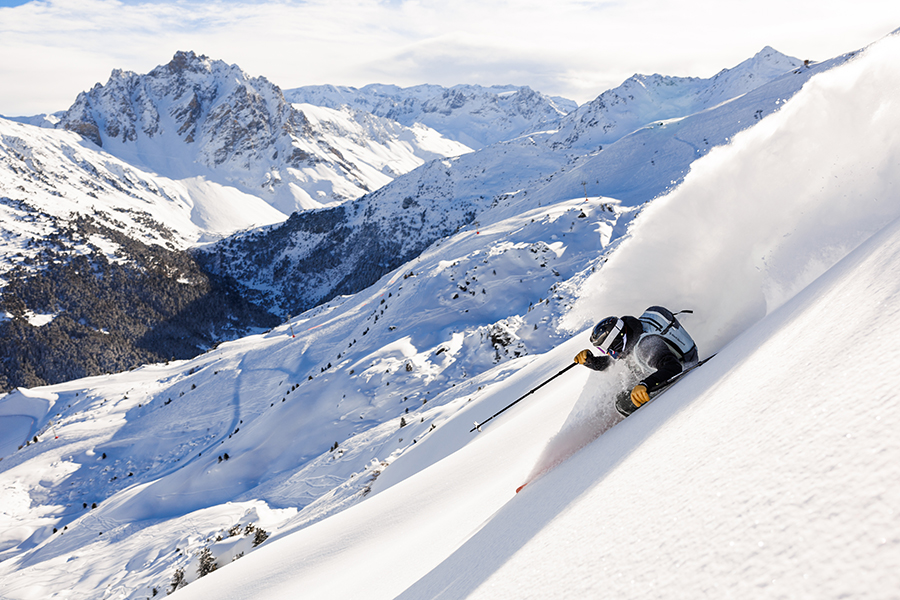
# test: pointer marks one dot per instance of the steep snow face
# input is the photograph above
(779, 447)
(763, 474)
(714, 484)
(200, 117)
(643, 99)
(473, 115)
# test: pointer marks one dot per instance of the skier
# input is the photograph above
(655, 346)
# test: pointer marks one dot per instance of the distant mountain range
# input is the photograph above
(474, 115)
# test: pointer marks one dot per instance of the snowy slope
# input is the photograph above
(196, 117)
(474, 115)
(429, 508)
(733, 484)
(719, 492)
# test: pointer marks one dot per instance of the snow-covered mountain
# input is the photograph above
(197, 117)
(474, 115)
(319, 254)
(343, 434)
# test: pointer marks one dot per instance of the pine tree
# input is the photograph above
(177, 581)
(207, 563)
(259, 537)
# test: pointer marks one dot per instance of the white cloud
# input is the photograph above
(54, 49)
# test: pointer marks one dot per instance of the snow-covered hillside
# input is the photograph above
(200, 118)
(474, 115)
(190, 153)
(344, 433)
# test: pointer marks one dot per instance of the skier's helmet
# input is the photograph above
(608, 336)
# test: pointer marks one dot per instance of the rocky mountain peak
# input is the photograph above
(188, 61)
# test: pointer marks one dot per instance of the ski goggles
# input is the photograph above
(610, 339)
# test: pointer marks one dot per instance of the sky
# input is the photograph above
(53, 49)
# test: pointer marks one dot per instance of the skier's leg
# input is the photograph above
(624, 405)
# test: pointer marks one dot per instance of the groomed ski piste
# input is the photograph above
(767, 473)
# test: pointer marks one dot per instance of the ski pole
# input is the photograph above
(531, 391)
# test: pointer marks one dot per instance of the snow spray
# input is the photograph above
(593, 414)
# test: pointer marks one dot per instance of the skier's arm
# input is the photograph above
(597, 363)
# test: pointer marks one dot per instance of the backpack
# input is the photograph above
(660, 321)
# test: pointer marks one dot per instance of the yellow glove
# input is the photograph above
(581, 357)
(639, 395)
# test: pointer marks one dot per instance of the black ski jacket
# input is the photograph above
(650, 350)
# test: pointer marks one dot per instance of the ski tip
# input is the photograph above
(519, 489)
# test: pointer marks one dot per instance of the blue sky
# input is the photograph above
(54, 49)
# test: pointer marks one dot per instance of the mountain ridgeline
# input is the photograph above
(474, 115)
